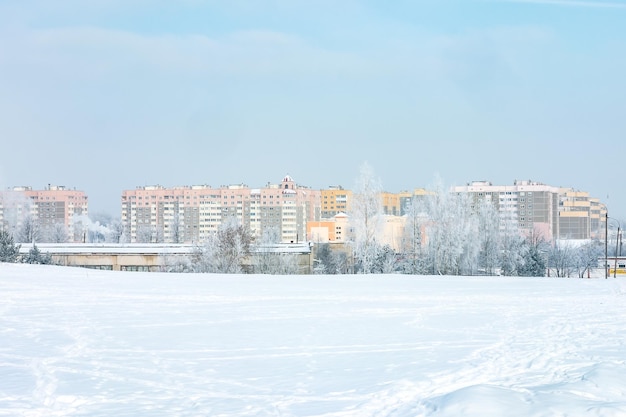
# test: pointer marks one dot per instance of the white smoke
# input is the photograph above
(94, 231)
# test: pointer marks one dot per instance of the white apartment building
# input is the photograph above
(552, 212)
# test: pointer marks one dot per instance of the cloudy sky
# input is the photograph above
(107, 95)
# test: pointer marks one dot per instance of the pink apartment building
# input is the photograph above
(57, 212)
(189, 214)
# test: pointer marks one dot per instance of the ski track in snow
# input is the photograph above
(75, 342)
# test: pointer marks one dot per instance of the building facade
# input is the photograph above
(335, 229)
(190, 214)
(335, 200)
(533, 207)
(407, 199)
(55, 214)
(580, 216)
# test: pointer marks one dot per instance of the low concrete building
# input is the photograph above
(148, 257)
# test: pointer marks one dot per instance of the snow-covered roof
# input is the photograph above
(109, 248)
(301, 247)
(147, 249)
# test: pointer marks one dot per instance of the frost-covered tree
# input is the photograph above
(366, 218)
(412, 239)
(9, 251)
(385, 261)
(226, 250)
(158, 234)
(513, 251)
(150, 234)
(35, 256)
(489, 237)
(452, 231)
(268, 258)
(328, 261)
(176, 229)
(534, 259)
(586, 257)
(29, 231)
(116, 231)
(56, 233)
(561, 259)
(143, 234)
(265, 257)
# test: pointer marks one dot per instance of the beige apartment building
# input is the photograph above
(533, 207)
(580, 216)
(56, 212)
(407, 198)
(190, 214)
(335, 200)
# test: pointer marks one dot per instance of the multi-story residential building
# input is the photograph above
(339, 230)
(580, 216)
(407, 198)
(335, 200)
(53, 214)
(190, 214)
(533, 207)
(390, 203)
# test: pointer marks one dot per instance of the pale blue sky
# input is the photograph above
(109, 95)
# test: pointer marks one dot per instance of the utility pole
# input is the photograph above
(606, 245)
(616, 248)
(617, 245)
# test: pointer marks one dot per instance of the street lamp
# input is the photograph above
(606, 235)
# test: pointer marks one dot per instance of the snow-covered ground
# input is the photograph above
(77, 342)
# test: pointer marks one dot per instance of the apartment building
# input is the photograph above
(335, 200)
(533, 207)
(55, 213)
(406, 198)
(190, 214)
(390, 203)
(580, 216)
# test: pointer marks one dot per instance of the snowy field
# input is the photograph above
(76, 342)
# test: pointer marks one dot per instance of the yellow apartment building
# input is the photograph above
(335, 200)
